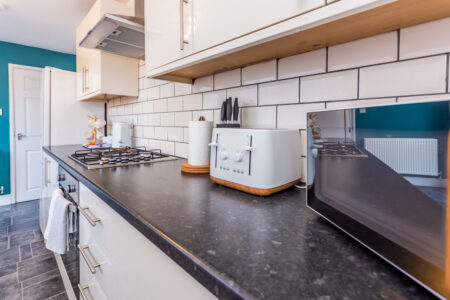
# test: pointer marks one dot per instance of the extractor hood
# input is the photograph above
(120, 35)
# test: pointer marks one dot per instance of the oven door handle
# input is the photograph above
(92, 220)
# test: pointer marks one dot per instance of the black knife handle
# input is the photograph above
(236, 110)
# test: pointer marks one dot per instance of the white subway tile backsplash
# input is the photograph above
(247, 95)
(128, 109)
(217, 116)
(203, 84)
(432, 98)
(147, 107)
(192, 102)
(154, 144)
(260, 72)
(168, 147)
(328, 87)
(425, 39)
(213, 99)
(368, 51)
(208, 114)
(153, 119)
(360, 103)
(186, 134)
(181, 150)
(259, 117)
(160, 105)
(161, 133)
(153, 93)
(175, 134)
(182, 89)
(183, 118)
(175, 104)
(308, 63)
(278, 92)
(148, 82)
(167, 90)
(168, 119)
(420, 76)
(149, 132)
(137, 108)
(294, 116)
(163, 109)
(227, 79)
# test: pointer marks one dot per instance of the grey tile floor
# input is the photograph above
(27, 269)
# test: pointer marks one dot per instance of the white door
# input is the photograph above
(167, 23)
(222, 20)
(27, 103)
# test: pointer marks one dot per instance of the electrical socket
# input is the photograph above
(2, 190)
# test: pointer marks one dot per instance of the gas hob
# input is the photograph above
(115, 157)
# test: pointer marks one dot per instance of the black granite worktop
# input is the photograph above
(238, 245)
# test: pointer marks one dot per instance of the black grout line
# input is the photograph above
(326, 59)
(398, 44)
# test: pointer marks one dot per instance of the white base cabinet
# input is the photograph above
(49, 184)
(129, 265)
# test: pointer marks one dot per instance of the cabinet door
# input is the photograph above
(81, 67)
(50, 169)
(168, 26)
(219, 21)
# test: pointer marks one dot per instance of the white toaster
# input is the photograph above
(256, 161)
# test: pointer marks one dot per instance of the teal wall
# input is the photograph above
(29, 56)
(408, 117)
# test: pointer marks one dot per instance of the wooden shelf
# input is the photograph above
(389, 17)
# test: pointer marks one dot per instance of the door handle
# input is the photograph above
(20, 136)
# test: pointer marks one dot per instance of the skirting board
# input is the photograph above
(6, 200)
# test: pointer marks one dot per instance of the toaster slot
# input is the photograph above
(250, 156)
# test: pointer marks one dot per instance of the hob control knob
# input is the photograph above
(224, 155)
(238, 156)
(61, 177)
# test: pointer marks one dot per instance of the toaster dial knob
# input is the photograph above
(224, 155)
(238, 156)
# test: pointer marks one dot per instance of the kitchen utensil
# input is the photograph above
(121, 132)
(199, 137)
(236, 110)
(229, 110)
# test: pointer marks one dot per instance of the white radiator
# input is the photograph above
(406, 156)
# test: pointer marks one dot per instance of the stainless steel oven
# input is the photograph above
(381, 175)
(68, 263)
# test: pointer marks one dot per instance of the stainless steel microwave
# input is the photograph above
(380, 174)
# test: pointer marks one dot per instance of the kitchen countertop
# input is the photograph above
(239, 245)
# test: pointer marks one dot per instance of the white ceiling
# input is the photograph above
(48, 24)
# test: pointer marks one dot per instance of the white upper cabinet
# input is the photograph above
(219, 21)
(188, 39)
(103, 75)
(168, 31)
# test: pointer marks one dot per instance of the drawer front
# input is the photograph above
(131, 267)
(89, 284)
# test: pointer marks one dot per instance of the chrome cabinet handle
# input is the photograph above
(182, 40)
(91, 265)
(86, 70)
(92, 220)
(82, 79)
(82, 293)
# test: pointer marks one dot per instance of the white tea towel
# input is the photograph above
(56, 230)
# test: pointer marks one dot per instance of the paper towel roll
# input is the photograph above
(199, 137)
